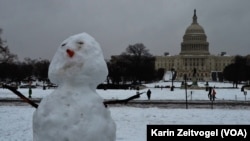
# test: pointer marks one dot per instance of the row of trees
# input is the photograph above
(238, 71)
(134, 65)
(13, 70)
(19, 71)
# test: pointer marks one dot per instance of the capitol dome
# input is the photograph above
(194, 62)
(194, 39)
(195, 28)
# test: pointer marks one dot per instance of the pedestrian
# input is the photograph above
(210, 93)
(137, 90)
(148, 94)
(213, 94)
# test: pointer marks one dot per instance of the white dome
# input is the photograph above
(195, 39)
(195, 29)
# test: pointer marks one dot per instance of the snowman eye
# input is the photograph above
(63, 44)
(80, 42)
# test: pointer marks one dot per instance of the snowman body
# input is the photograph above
(74, 111)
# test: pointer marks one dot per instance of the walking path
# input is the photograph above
(217, 104)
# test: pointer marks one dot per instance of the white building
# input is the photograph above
(195, 55)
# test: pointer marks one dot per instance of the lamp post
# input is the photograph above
(244, 92)
(172, 87)
(191, 92)
(207, 86)
(185, 77)
(30, 90)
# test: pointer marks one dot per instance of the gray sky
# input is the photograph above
(35, 28)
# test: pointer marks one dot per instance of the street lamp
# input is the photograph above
(185, 78)
(173, 75)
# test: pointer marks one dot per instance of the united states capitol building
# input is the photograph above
(194, 55)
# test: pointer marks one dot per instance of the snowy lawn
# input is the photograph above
(157, 93)
(16, 121)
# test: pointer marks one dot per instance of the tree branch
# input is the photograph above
(123, 101)
(20, 95)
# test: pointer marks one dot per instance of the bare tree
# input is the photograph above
(137, 50)
(5, 55)
(140, 61)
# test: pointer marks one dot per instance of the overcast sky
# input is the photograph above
(35, 28)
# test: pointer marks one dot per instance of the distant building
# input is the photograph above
(195, 55)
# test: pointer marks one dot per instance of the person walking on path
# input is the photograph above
(211, 94)
(148, 94)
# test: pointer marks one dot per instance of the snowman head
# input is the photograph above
(78, 61)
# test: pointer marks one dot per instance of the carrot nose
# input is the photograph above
(70, 53)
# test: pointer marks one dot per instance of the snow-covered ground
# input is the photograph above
(224, 92)
(16, 121)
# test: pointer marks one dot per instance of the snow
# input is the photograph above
(87, 65)
(167, 76)
(131, 122)
(74, 111)
(224, 92)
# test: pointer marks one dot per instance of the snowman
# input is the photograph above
(74, 111)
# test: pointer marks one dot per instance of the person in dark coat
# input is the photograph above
(210, 93)
(148, 94)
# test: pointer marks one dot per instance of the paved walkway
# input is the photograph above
(218, 104)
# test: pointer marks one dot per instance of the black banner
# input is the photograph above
(198, 132)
